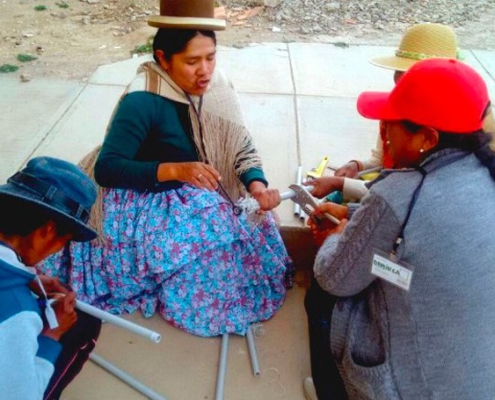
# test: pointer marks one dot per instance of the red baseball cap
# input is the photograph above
(444, 94)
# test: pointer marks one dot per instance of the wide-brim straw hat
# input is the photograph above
(421, 42)
(187, 14)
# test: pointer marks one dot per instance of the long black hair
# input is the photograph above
(174, 41)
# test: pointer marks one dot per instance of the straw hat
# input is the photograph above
(420, 42)
(187, 14)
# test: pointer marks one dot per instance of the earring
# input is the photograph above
(421, 150)
(387, 142)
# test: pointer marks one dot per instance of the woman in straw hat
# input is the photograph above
(420, 42)
(415, 316)
(175, 161)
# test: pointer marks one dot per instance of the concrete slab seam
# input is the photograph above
(296, 113)
(482, 65)
(49, 127)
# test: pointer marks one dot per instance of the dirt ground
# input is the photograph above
(71, 38)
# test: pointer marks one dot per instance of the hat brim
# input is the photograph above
(80, 231)
(394, 63)
(375, 105)
(208, 24)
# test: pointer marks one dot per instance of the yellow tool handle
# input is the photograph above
(318, 171)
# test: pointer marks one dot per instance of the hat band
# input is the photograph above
(420, 56)
(412, 55)
(50, 195)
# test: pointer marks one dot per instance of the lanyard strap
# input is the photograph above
(412, 203)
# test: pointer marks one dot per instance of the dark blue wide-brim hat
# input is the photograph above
(59, 187)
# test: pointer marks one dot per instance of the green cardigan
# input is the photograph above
(147, 130)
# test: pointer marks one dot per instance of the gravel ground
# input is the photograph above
(71, 38)
(331, 16)
(372, 21)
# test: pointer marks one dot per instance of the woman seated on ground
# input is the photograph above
(415, 318)
(176, 159)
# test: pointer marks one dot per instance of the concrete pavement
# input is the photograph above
(299, 102)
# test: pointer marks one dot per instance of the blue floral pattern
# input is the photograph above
(183, 253)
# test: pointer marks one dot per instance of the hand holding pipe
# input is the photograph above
(300, 194)
(291, 193)
(120, 322)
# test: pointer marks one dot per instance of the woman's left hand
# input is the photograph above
(323, 230)
(321, 227)
(268, 199)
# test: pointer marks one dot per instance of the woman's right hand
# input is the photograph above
(349, 170)
(195, 173)
(324, 186)
(65, 311)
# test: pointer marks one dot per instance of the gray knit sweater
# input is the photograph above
(436, 341)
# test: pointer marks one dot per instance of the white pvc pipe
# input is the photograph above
(125, 377)
(297, 207)
(252, 352)
(222, 367)
(289, 194)
(120, 322)
(302, 214)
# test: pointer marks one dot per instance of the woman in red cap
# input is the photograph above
(415, 318)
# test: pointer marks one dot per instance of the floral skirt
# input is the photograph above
(183, 253)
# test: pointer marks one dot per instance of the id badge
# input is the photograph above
(387, 267)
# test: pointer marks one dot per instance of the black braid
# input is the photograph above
(487, 158)
(477, 142)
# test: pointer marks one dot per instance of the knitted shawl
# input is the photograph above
(221, 138)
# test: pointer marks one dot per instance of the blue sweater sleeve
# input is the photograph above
(27, 361)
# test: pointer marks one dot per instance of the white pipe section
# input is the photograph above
(252, 352)
(222, 367)
(125, 377)
(302, 214)
(120, 322)
(289, 194)
(297, 207)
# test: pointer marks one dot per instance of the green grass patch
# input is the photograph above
(40, 7)
(23, 57)
(144, 48)
(6, 68)
(62, 4)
